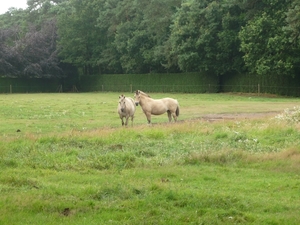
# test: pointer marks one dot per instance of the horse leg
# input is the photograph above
(122, 121)
(174, 116)
(148, 115)
(132, 120)
(127, 117)
(169, 116)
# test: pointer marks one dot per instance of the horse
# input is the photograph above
(152, 106)
(126, 108)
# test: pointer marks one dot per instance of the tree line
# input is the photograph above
(50, 38)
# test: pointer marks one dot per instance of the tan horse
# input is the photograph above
(152, 106)
(126, 108)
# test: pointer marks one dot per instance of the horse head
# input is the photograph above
(137, 97)
(122, 102)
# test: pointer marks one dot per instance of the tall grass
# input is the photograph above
(84, 168)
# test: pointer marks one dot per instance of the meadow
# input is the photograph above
(66, 159)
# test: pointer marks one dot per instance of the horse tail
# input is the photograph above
(177, 110)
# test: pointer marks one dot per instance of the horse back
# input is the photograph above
(171, 103)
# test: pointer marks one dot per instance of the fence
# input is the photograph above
(263, 89)
(30, 89)
(256, 89)
(23, 85)
(152, 88)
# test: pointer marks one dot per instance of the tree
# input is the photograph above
(28, 47)
(137, 32)
(266, 46)
(29, 50)
(292, 31)
(204, 36)
(157, 18)
(80, 40)
(40, 52)
(10, 57)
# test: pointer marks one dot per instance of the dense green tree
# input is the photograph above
(293, 22)
(292, 30)
(157, 20)
(142, 36)
(266, 45)
(80, 38)
(137, 32)
(39, 11)
(205, 36)
(107, 21)
(119, 20)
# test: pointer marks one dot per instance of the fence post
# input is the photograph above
(59, 88)
(258, 89)
(10, 89)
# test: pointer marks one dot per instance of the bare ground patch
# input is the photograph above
(238, 116)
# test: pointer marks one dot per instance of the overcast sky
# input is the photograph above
(6, 4)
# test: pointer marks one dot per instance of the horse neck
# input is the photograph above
(142, 99)
(144, 94)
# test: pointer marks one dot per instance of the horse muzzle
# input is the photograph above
(136, 103)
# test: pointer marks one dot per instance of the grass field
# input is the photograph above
(66, 159)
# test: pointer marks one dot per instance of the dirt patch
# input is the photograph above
(238, 116)
(263, 95)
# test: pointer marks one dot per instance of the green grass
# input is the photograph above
(58, 113)
(73, 163)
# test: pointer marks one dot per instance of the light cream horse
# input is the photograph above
(126, 108)
(152, 106)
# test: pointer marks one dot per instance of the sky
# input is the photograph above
(6, 4)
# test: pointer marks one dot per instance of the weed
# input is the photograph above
(290, 115)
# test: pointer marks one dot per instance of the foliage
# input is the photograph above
(293, 22)
(205, 36)
(267, 48)
(28, 47)
(80, 39)
(51, 37)
(34, 55)
(137, 33)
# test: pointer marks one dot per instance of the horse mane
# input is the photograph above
(143, 93)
